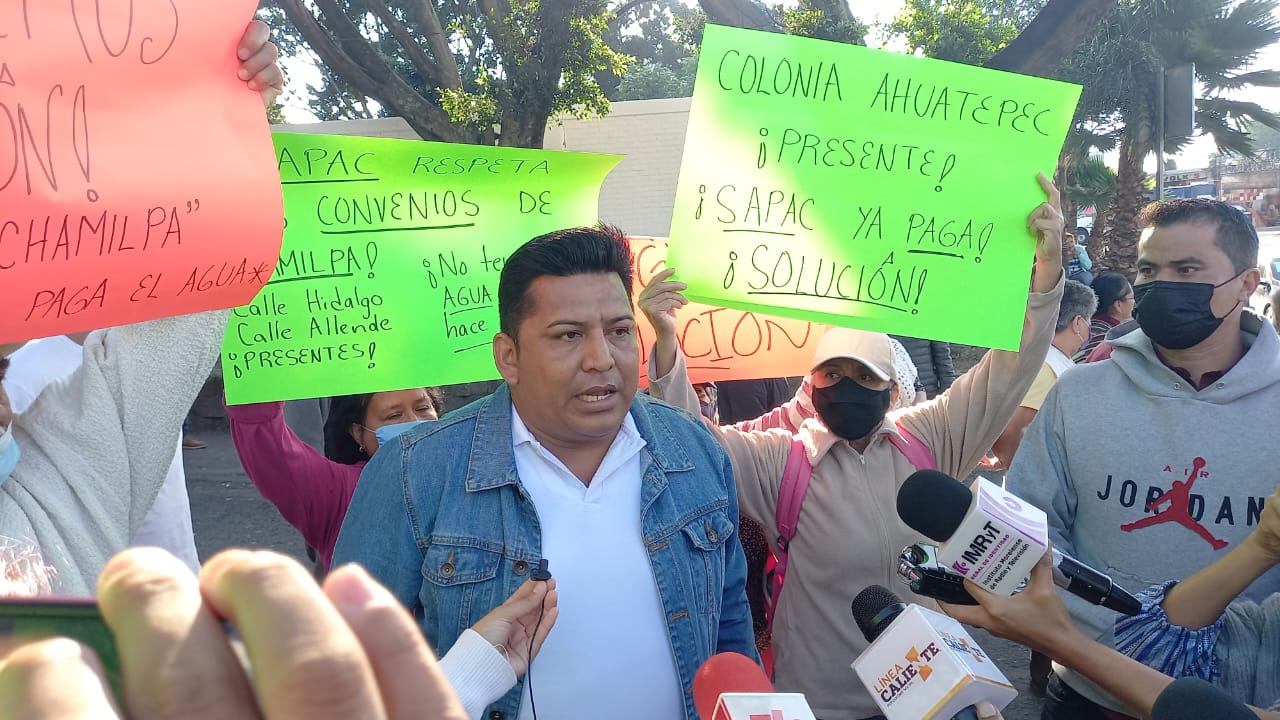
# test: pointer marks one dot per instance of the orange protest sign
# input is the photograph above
(721, 343)
(137, 176)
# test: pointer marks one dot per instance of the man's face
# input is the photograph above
(1186, 252)
(575, 365)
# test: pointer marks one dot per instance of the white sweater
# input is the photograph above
(96, 445)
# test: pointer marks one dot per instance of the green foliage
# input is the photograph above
(646, 80)
(967, 31)
(488, 62)
(808, 19)
(1091, 183)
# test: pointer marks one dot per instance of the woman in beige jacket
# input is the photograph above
(849, 535)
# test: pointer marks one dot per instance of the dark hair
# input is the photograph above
(564, 253)
(1233, 232)
(1077, 300)
(347, 410)
(1110, 287)
(4, 366)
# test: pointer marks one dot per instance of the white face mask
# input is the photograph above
(9, 453)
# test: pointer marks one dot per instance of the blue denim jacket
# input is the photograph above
(440, 518)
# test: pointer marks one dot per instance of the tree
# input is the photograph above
(662, 37)
(1092, 183)
(483, 72)
(1122, 63)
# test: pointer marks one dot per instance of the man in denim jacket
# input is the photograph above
(631, 501)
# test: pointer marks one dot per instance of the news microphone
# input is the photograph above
(732, 686)
(1191, 698)
(922, 664)
(994, 538)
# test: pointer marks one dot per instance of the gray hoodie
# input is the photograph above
(1117, 436)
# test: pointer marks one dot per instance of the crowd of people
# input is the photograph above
(573, 543)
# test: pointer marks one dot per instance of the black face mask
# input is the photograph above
(1177, 315)
(849, 409)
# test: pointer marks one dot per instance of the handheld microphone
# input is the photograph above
(922, 664)
(994, 538)
(732, 686)
(1191, 698)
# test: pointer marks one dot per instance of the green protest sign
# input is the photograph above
(388, 275)
(857, 187)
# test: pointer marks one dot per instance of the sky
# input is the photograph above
(1194, 155)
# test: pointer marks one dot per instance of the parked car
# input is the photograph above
(1084, 226)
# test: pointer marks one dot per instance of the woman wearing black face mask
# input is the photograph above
(848, 534)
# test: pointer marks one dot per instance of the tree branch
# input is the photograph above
(1051, 37)
(324, 46)
(354, 60)
(628, 7)
(438, 41)
(412, 49)
(740, 13)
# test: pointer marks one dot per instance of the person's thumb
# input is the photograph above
(987, 711)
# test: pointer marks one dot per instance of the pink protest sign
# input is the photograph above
(137, 175)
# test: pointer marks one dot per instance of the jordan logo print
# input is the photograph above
(1178, 498)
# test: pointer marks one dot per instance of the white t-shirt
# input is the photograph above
(168, 524)
(610, 652)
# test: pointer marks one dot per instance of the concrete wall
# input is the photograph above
(639, 193)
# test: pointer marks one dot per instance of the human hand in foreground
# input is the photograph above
(1034, 617)
(1267, 535)
(258, 66)
(510, 625)
(347, 650)
(1046, 224)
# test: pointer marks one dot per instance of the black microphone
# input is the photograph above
(875, 609)
(935, 504)
(1191, 698)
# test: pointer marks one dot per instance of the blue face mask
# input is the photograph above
(9, 453)
(387, 433)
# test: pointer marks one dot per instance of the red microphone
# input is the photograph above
(726, 672)
(732, 686)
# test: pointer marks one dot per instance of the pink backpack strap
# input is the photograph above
(913, 449)
(795, 483)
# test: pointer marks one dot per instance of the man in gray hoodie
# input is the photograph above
(1148, 464)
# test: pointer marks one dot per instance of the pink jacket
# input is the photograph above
(310, 491)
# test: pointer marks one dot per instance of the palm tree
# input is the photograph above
(1121, 65)
(1091, 183)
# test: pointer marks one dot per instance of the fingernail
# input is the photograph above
(351, 588)
(243, 53)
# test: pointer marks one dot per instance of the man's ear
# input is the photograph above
(1252, 279)
(506, 355)
(893, 396)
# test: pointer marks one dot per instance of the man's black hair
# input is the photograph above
(564, 253)
(1233, 231)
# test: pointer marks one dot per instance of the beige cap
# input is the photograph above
(869, 348)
